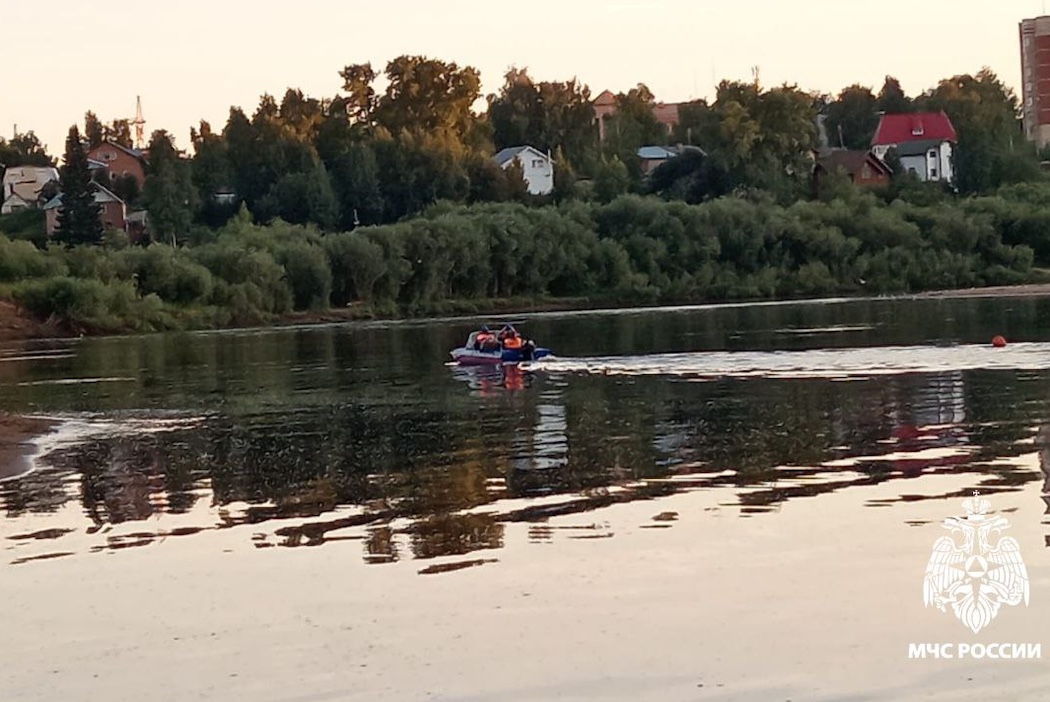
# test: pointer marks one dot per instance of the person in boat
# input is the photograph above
(485, 340)
(511, 340)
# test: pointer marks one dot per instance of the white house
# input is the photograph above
(925, 143)
(22, 186)
(537, 167)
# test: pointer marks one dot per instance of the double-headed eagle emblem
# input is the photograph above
(970, 573)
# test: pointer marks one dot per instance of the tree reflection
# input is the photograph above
(441, 465)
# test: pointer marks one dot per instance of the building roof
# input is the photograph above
(135, 153)
(28, 181)
(102, 194)
(851, 161)
(652, 153)
(605, 97)
(918, 126)
(26, 174)
(504, 155)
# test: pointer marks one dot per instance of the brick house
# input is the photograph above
(120, 161)
(863, 168)
(605, 105)
(113, 214)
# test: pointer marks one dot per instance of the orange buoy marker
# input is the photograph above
(998, 341)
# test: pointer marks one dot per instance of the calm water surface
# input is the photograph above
(362, 437)
(731, 502)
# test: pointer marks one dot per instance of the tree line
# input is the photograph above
(365, 156)
(390, 200)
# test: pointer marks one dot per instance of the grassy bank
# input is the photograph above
(492, 259)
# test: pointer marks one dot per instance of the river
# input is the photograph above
(715, 502)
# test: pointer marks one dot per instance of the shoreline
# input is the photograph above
(337, 316)
(19, 435)
(16, 325)
(1020, 290)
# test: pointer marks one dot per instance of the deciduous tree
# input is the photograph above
(852, 118)
(892, 99)
(24, 149)
(93, 130)
(169, 194)
(985, 113)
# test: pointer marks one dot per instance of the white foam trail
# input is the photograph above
(847, 363)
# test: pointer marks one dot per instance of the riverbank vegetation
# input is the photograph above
(454, 258)
(388, 203)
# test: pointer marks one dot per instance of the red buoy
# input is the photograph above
(998, 341)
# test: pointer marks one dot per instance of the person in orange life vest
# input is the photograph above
(506, 332)
(512, 341)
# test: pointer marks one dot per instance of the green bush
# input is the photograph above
(93, 305)
(20, 260)
(26, 225)
(307, 272)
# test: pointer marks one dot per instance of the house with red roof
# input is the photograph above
(924, 141)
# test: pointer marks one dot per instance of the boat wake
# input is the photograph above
(838, 363)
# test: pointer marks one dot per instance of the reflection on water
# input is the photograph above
(364, 435)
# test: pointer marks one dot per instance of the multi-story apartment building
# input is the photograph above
(1035, 79)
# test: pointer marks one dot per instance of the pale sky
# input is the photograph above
(193, 59)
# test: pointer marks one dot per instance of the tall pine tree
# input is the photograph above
(79, 220)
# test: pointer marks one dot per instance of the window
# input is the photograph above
(917, 130)
(933, 174)
(933, 153)
(537, 163)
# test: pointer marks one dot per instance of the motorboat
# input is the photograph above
(485, 348)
